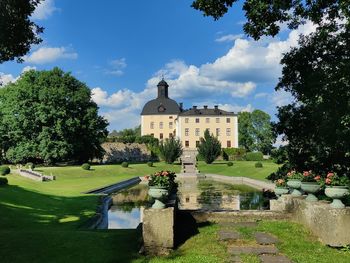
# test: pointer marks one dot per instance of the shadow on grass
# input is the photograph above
(37, 227)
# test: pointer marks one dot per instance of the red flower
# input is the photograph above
(306, 173)
(329, 175)
(317, 178)
(328, 180)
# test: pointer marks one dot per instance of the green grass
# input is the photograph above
(41, 221)
(239, 168)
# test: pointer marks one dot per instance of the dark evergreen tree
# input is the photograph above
(170, 149)
(209, 147)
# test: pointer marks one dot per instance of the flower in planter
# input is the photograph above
(165, 179)
(294, 175)
(333, 179)
(281, 183)
(309, 176)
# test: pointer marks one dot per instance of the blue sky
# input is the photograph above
(120, 49)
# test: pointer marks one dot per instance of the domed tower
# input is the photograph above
(158, 115)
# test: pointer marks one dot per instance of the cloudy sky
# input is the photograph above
(120, 49)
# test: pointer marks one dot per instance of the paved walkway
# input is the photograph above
(263, 246)
(189, 162)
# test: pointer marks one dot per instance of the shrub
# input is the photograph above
(235, 153)
(209, 147)
(254, 156)
(224, 155)
(4, 170)
(3, 181)
(30, 166)
(258, 165)
(170, 149)
(150, 164)
(125, 164)
(229, 163)
(86, 166)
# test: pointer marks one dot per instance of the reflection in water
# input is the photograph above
(193, 194)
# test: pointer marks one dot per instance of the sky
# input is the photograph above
(121, 49)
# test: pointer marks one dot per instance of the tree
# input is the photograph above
(48, 116)
(170, 149)
(17, 32)
(209, 147)
(255, 131)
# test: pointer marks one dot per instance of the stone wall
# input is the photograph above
(117, 152)
(330, 225)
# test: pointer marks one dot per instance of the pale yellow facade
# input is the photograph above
(191, 129)
(160, 126)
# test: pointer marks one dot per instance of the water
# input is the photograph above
(193, 194)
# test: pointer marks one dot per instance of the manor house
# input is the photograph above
(164, 118)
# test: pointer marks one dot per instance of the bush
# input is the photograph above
(254, 156)
(150, 164)
(229, 163)
(235, 153)
(4, 170)
(258, 165)
(170, 149)
(125, 164)
(3, 181)
(30, 166)
(86, 166)
(209, 147)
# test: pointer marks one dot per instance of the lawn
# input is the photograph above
(239, 168)
(41, 221)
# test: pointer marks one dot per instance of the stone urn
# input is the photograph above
(280, 190)
(311, 188)
(159, 194)
(336, 192)
(295, 185)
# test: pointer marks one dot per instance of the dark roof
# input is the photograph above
(160, 106)
(206, 112)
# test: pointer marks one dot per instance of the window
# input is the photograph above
(152, 134)
(170, 117)
(186, 120)
(217, 131)
(161, 136)
(228, 132)
(170, 135)
(187, 144)
(170, 125)
(228, 144)
(197, 132)
(217, 120)
(207, 120)
(228, 120)
(187, 131)
(151, 125)
(197, 143)
(161, 125)
(197, 120)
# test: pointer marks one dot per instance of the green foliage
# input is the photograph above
(18, 32)
(3, 181)
(50, 117)
(209, 147)
(229, 163)
(254, 156)
(150, 164)
(126, 135)
(225, 155)
(255, 131)
(235, 153)
(125, 164)
(86, 166)
(162, 179)
(258, 165)
(4, 170)
(280, 155)
(30, 166)
(170, 149)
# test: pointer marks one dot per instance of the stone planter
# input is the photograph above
(311, 188)
(336, 192)
(279, 191)
(295, 185)
(159, 194)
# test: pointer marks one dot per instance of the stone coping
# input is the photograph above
(114, 187)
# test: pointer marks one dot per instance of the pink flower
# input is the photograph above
(165, 173)
(329, 175)
(289, 174)
(328, 180)
(306, 173)
(146, 177)
(317, 178)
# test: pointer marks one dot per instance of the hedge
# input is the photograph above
(254, 156)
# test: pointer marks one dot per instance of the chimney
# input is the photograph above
(216, 107)
(194, 107)
(205, 107)
(181, 105)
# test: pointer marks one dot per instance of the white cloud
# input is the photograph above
(27, 68)
(229, 38)
(260, 95)
(117, 67)
(49, 54)
(280, 142)
(281, 98)
(44, 10)
(6, 79)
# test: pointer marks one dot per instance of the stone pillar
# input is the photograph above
(158, 230)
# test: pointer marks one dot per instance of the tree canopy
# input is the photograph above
(255, 131)
(17, 32)
(48, 116)
(209, 147)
